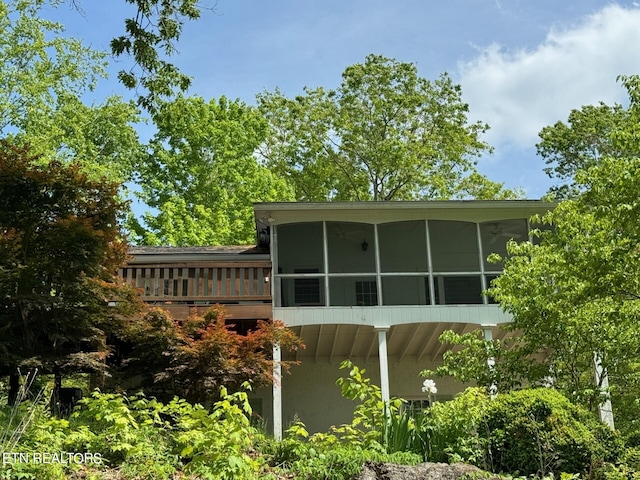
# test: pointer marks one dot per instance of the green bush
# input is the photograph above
(139, 437)
(631, 458)
(322, 456)
(538, 431)
(449, 430)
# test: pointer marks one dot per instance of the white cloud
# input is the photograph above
(519, 92)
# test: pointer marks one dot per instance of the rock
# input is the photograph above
(422, 471)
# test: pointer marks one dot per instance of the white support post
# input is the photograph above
(384, 364)
(602, 381)
(277, 392)
(491, 362)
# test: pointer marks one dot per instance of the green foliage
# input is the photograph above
(370, 414)
(201, 177)
(195, 358)
(450, 430)
(322, 456)
(217, 443)
(149, 38)
(574, 294)
(44, 75)
(143, 438)
(60, 247)
(587, 137)
(610, 471)
(539, 431)
(39, 67)
(384, 134)
(493, 364)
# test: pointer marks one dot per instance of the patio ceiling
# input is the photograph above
(416, 342)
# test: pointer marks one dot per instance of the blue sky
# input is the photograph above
(522, 64)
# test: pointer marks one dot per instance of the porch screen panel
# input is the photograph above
(302, 292)
(398, 290)
(300, 247)
(454, 246)
(458, 290)
(353, 291)
(403, 246)
(351, 247)
(495, 236)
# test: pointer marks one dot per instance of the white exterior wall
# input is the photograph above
(310, 393)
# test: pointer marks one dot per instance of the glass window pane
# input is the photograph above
(302, 292)
(353, 291)
(300, 247)
(405, 290)
(454, 246)
(495, 236)
(403, 246)
(351, 247)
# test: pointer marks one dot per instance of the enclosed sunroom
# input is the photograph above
(377, 282)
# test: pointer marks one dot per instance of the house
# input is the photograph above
(374, 282)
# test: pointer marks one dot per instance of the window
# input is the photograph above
(416, 406)
(366, 293)
(306, 291)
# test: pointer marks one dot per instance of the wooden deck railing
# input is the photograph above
(213, 282)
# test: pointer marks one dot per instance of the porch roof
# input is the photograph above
(273, 213)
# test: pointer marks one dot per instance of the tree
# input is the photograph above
(38, 65)
(574, 292)
(60, 247)
(150, 38)
(580, 143)
(201, 176)
(384, 134)
(576, 295)
(43, 76)
(196, 357)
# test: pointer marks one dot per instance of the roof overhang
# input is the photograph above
(159, 255)
(275, 213)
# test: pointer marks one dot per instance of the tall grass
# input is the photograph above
(14, 423)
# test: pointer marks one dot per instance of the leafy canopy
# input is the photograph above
(580, 143)
(384, 134)
(194, 358)
(150, 38)
(43, 77)
(574, 292)
(200, 174)
(60, 247)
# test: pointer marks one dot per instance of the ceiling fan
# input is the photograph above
(502, 229)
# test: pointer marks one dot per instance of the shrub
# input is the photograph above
(538, 431)
(139, 438)
(449, 430)
(631, 458)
